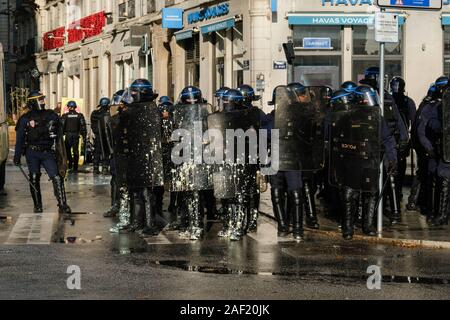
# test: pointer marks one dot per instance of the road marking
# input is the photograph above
(32, 228)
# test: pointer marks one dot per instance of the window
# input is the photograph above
(366, 53)
(320, 65)
(192, 49)
(151, 6)
(120, 75)
(446, 49)
(87, 83)
(131, 9)
(122, 11)
(238, 54)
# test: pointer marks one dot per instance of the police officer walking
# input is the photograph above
(73, 126)
(37, 134)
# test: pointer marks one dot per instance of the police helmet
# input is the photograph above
(141, 90)
(219, 93)
(164, 100)
(191, 95)
(349, 86)
(397, 85)
(367, 96)
(72, 105)
(371, 77)
(36, 100)
(342, 98)
(232, 100)
(298, 88)
(249, 94)
(104, 102)
(117, 97)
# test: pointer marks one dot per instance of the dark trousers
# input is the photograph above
(97, 153)
(72, 143)
(37, 159)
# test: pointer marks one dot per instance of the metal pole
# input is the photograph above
(381, 183)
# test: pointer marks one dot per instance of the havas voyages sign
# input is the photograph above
(209, 13)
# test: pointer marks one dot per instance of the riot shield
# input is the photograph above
(239, 146)
(142, 145)
(301, 127)
(446, 127)
(104, 132)
(190, 173)
(355, 148)
(61, 154)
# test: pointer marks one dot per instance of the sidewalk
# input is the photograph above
(412, 232)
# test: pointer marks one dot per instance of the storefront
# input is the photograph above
(214, 45)
(334, 42)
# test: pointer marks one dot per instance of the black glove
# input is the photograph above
(17, 161)
(431, 154)
(392, 168)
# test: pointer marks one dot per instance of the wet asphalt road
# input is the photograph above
(33, 263)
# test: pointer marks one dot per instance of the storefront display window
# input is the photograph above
(192, 49)
(318, 55)
(366, 53)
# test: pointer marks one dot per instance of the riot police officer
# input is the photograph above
(165, 106)
(418, 195)
(397, 128)
(73, 126)
(38, 133)
(309, 178)
(141, 125)
(407, 109)
(352, 182)
(190, 178)
(96, 115)
(121, 200)
(430, 133)
(285, 182)
(218, 95)
(349, 86)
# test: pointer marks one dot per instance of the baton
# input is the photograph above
(28, 179)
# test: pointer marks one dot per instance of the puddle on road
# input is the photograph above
(186, 266)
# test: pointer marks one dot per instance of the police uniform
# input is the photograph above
(37, 132)
(74, 126)
(96, 115)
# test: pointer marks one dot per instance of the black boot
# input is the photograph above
(35, 188)
(173, 202)
(369, 215)
(442, 218)
(115, 199)
(278, 210)
(311, 213)
(295, 198)
(414, 195)
(394, 202)
(350, 206)
(76, 160)
(137, 211)
(60, 194)
(158, 197)
(150, 215)
(431, 197)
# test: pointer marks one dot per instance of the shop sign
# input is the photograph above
(227, 24)
(406, 4)
(317, 43)
(209, 13)
(336, 3)
(172, 18)
(279, 65)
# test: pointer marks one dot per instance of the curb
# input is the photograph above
(404, 243)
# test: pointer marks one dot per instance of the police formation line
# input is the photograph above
(331, 146)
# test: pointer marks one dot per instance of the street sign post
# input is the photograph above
(411, 4)
(386, 27)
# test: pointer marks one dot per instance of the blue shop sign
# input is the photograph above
(227, 24)
(317, 43)
(335, 20)
(172, 18)
(209, 13)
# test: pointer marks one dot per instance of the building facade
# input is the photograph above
(90, 49)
